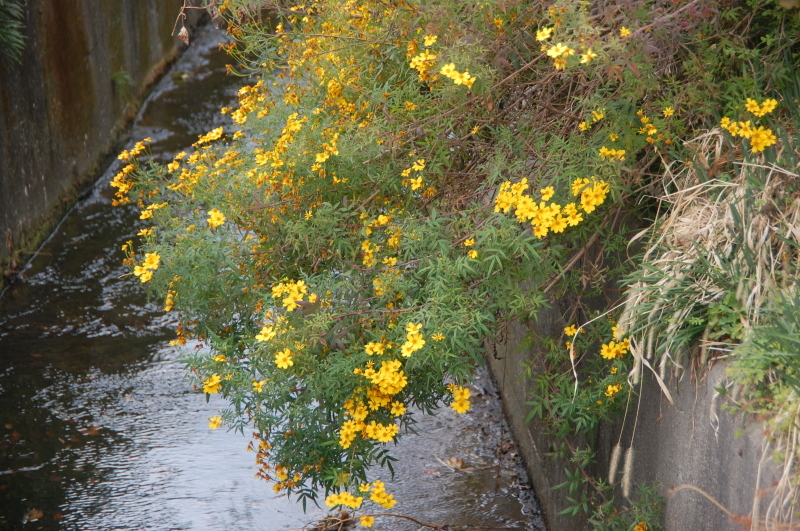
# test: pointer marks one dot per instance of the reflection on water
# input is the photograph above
(99, 429)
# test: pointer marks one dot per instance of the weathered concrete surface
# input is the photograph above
(85, 65)
(693, 442)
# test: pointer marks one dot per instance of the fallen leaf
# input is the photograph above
(33, 515)
(92, 430)
(183, 35)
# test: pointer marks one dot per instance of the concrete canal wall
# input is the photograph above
(693, 442)
(85, 67)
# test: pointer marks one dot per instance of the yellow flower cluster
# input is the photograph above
(251, 98)
(414, 340)
(328, 148)
(374, 347)
(381, 432)
(292, 293)
(150, 264)
(762, 109)
(459, 78)
(211, 136)
(423, 63)
(169, 301)
(614, 349)
(389, 379)
(380, 496)
(123, 185)
(417, 182)
(274, 157)
(461, 396)
(128, 156)
(760, 138)
(344, 498)
(369, 249)
(215, 218)
(147, 213)
(559, 52)
(611, 390)
(386, 382)
(545, 218)
(606, 153)
(592, 192)
(212, 384)
(267, 332)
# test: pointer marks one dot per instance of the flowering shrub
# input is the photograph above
(402, 180)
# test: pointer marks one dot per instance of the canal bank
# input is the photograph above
(84, 71)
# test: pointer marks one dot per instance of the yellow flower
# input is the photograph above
(212, 384)
(460, 406)
(259, 386)
(544, 34)
(547, 193)
(571, 330)
(614, 370)
(753, 106)
(448, 69)
(611, 390)
(473, 253)
(283, 359)
(398, 409)
(624, 32)
(367, 521)
(412, 328)
(761, 138)
(416, 184)
(558, 50)
(151, 261)
(470, 242)
(609, 351)
(267, 333)
(669, 111)
(429, 40)
(613, 137)
(461, 393)
(146, 214)
(410, 106)
(437, 337)
(767, 106)
(374, 348)
(588, 56)
(215, 422)
(215, 218)
(583, 126)
(413, 343)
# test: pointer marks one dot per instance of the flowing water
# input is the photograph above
(98, 428)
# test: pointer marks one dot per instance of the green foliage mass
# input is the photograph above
(404, 179)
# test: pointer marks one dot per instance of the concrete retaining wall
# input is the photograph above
(85, 65)
(693, 442)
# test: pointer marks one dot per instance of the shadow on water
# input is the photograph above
(99, 429)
